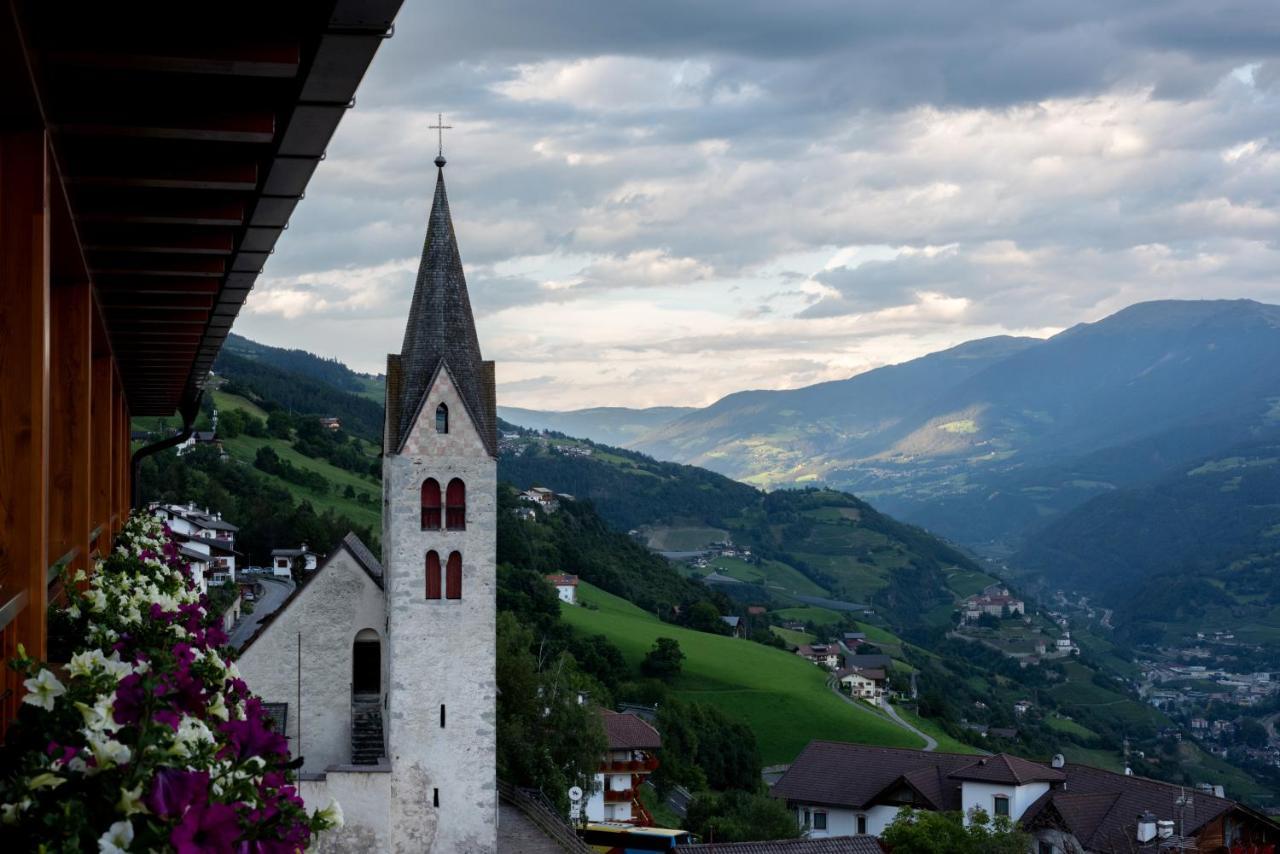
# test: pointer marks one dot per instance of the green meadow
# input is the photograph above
(783, 698)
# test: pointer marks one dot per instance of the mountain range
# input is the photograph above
(997, 443)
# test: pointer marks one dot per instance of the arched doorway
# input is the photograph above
(366, 663)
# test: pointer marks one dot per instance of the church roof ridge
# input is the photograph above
(441, 332)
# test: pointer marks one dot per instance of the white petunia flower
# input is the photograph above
(108, 751)
(10, 813)
(117, 839)
(332, 814)
(130, 802)
(43, 690)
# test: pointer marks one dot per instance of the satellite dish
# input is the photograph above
(1059, 760)
(575, 793)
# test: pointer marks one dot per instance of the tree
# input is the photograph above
(230, 423)
(546, 739)
(349, 492)
(253, 426)
(1252, 733)
(279, 424)
(664, 661)
(925, 832)
(740, 817)
(704, 617)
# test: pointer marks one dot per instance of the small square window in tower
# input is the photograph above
(431, 504)
(455, 506)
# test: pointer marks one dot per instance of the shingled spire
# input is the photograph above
(440, 335)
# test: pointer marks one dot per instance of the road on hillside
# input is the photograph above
(930, 743)
(274, 592)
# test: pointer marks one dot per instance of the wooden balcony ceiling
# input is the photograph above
(184, 136)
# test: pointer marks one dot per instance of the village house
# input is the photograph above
(838, 789)
(875, 661)
(331, 423)
(866, 684)
(616, 794)
(734, 624)
(204, 532)
(566, 587)
(853, 640)
(282, 560)
(1022, 707)
(994, 601)
(541, 496)
(822, 654)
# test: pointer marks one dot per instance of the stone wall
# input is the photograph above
(333, 607)
(365, 797)
(444, 796)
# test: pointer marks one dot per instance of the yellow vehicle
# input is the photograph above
(624, 838)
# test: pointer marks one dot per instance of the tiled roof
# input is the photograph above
(363, 556)
(830, 845)
(629, 732)
(441, 333)
(865, 661)
(563, 580)
(1099, 806)
(834, 773)
(1011, 770)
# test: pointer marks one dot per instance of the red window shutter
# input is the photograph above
(433, 575)
(453, 577)
(431, 504)
(455, 503)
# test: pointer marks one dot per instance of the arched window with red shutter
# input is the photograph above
(453, 577)
(433, 575)
(431, 504)
(455, 506)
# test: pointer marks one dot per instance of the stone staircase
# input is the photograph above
(366, 729)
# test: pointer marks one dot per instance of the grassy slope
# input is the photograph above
(783, 698)
(245, 449)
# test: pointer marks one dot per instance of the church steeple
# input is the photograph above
(440, 335)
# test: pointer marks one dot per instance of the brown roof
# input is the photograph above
(629, 732)
(835, 773)
(1011, 770)
(563, 580)
(863, 844)
(1099, 807)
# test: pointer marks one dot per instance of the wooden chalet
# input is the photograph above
(151, 154)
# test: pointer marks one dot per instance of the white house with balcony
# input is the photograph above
(615, 797)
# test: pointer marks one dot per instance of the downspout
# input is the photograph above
(189, 413)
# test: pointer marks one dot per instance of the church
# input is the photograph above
(382, 675)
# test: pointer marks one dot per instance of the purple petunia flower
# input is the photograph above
(206, 829)
(173, 791)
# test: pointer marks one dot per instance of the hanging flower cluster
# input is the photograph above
(148, 740)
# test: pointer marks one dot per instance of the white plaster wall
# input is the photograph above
(328, 614)
(441, 651)
(981, 795)
(844, 822)
(365, 798)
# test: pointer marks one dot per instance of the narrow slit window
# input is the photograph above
(431, 504)
(433, 575)
(453, 580)
(442, 419)
(435, 797)
(442, 716)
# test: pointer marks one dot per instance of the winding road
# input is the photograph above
(274, 592)
(930, 743)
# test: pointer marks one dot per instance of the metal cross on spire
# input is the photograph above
(440, 127)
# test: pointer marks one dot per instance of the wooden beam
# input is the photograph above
(100, 387)
(169, 211)
(126, 264)
(155, 299)
(121, 318)
(235, 177)
(185, 242)
(110, 285)
(70, 430)
(24, 379)
(247, 126)
(248, 60)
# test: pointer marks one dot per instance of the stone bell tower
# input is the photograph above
(439, 480)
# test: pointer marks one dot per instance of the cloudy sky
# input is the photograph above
(663, 202)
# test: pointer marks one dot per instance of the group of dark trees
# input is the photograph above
(270, 462)
(267, 514)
